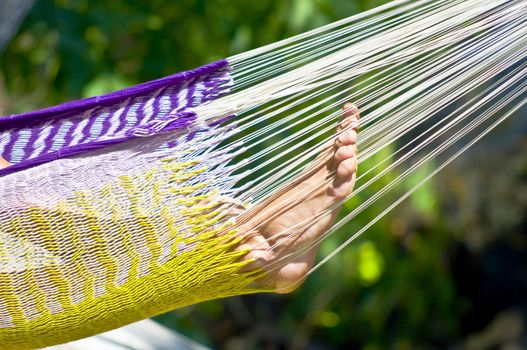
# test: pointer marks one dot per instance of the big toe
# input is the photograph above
(348, 127)
(345, 156)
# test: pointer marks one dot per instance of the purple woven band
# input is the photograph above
(38, 137)
(67, 109)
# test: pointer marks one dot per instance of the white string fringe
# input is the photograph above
(430, 78)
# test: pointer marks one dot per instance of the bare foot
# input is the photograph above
(281, 224)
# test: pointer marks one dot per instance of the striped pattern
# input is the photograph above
(113, 256)
(133, 115)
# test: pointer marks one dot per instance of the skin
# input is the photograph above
(269, 227)
(328, 180)
(4, 163)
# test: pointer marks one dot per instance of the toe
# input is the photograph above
(257, 248)
(347, 167)
(350, 119)
(348, 137)
(290, 276)
(344, 153)
(342, 187)
(350, 110)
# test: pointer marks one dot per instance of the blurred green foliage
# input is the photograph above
(413, 281)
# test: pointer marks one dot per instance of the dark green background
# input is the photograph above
(448, 269)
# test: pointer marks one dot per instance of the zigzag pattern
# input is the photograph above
(111, 121)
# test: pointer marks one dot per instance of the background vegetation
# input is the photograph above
(448, 269)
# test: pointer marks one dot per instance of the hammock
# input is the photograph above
(111, 211)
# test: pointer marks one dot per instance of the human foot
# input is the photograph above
(292, 219)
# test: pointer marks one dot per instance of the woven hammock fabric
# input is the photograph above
(88, 240)
(92, 123)
(120, 207)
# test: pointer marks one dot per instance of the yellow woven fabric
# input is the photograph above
(102, 259)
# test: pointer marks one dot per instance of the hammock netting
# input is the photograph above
(110, 211)
(108, 238)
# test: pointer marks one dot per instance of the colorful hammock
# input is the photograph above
(110, 211)
(88, 240)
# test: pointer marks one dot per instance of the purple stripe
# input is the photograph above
(106, 124)
(222, 120)
(77, 113)
(64, 110)
(172, 144)
(68, 138)
(86, 131)
(97, 127)
(8, 149)
(184, 104)
(113, 122)
(167, 106)
(140, 114)
(49, 140)
(189, 98)
(216, 88)
(155, 106)
(122, 118)
(125, 106)
(30, 146)
(184, 120)
(158, 105)
(173, 97)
